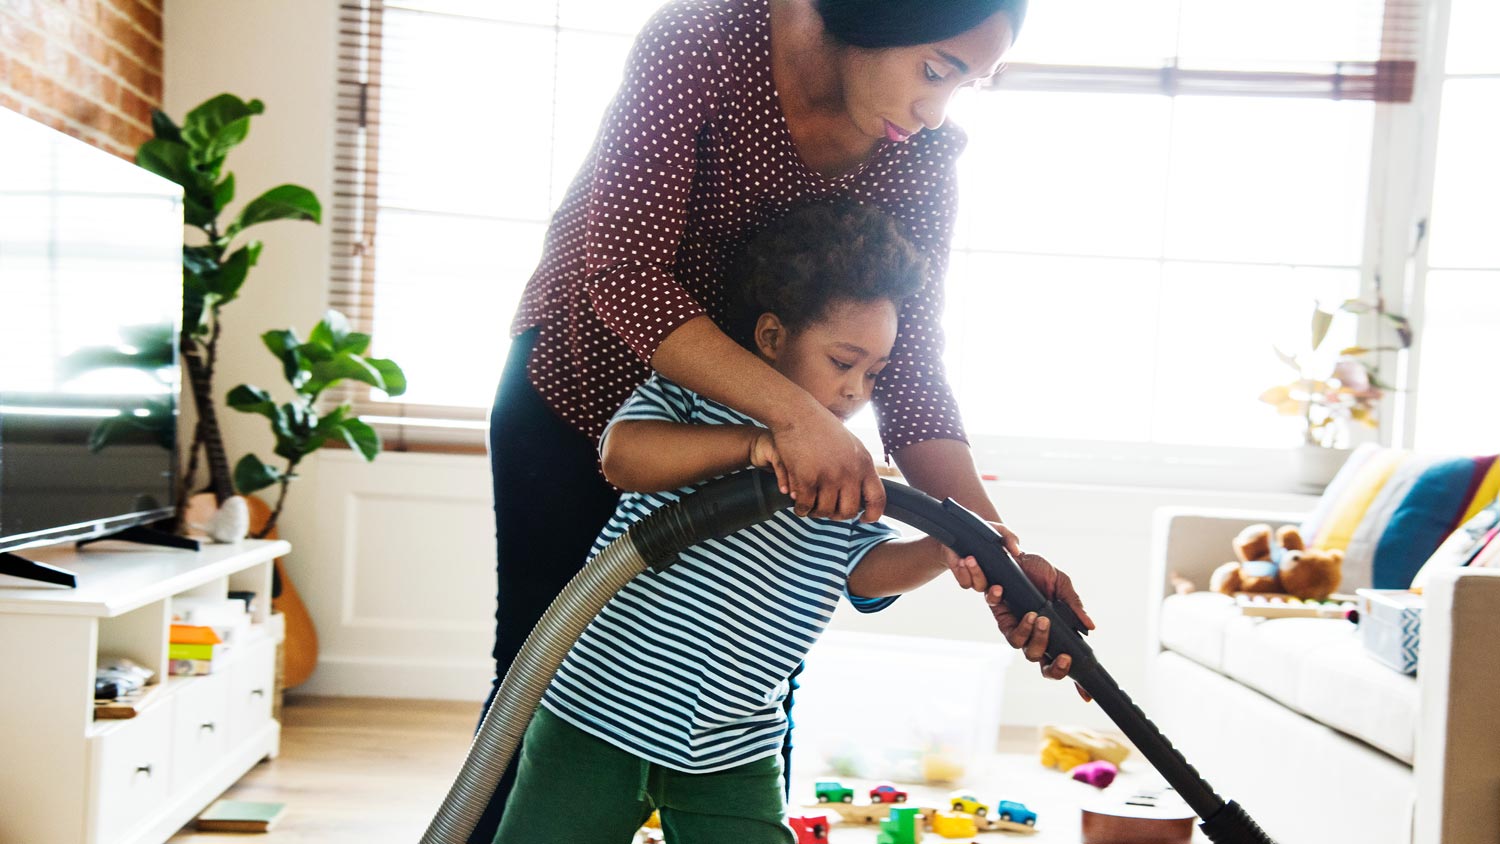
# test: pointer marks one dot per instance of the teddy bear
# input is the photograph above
(1279, 561)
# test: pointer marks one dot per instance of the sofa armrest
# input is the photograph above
(1458, 747)
(1194, 541)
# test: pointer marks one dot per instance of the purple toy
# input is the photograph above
(1099, 774)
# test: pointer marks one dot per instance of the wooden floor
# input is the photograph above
(374, 770)
(355, 770)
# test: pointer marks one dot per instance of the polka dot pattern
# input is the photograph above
(692, 158)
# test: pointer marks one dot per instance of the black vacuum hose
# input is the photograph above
(730, 504)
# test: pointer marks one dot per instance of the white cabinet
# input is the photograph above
(69, 779)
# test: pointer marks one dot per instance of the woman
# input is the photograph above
(731, 112)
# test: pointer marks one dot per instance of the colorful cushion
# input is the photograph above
(1426, 516)
(1463, 546)
(1351, 505)
(1389, 510)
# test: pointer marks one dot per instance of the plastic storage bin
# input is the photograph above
(1390, 625)
(904, 708)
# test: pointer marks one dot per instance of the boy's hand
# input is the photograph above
(763, 455)
(965, 569)
(1029, 633)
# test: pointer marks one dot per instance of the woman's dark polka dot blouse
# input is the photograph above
(692, 157)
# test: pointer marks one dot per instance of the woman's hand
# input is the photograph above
(1029, 633)
(829, 472)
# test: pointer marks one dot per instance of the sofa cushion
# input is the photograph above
(1193, 625)
(1313, 666)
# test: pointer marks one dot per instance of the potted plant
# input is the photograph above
(215, 260)
(1332, 397)
(331, 354)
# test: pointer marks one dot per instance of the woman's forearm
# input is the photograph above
(700, 357)
(945, 469)
(642, 455)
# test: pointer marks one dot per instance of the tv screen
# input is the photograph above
(90, 303)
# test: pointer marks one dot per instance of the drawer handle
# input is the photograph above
(257, 692)
(209, 725)
(144, 769)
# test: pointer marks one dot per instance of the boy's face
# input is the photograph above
(837, 358)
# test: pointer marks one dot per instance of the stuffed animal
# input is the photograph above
(1279, 562)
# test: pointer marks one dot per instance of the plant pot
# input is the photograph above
(1315, 465)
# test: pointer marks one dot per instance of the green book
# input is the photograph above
(240, 816)
(182, 651)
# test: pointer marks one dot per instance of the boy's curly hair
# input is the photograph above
(818, 254)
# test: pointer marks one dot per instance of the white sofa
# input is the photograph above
(1316, 739)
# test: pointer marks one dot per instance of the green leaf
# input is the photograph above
(168, 159)
(229, 136)
(394, 380)
(248, 399)
(330, 424)
(251, 475)
(286, 202)
(1321, 320)
(200, 259)
(163, 127)
(223, 193)
(355, 343)
(202, 127)
(342, 366)
(226, 282)
(315, 352)
(283, 344)
(361, 437)
(331, 332)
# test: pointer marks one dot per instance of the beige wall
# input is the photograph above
(281, 52)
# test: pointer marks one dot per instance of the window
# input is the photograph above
(1151, 202)
(1455, 406)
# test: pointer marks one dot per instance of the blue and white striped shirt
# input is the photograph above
(688, 668)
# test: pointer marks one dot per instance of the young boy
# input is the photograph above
(672, 698)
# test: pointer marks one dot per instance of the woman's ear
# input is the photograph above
(770, 336)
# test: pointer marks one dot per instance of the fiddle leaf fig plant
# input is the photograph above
(215, 259)
(331, 354)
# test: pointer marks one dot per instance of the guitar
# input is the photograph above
(300, 648)
(1145, 817)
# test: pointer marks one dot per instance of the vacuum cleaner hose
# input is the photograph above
(734, 502)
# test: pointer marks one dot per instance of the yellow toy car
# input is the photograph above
(963, 802)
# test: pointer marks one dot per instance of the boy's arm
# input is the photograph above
(901, 565)
(647, 455)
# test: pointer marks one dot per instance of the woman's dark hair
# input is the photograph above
(819, 254)
(906, 23)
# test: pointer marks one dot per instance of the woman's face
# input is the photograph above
(895, 92)
(837, 358)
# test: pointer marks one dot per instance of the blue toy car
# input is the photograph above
(1010, 810)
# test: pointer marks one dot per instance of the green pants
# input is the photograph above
(572, 787)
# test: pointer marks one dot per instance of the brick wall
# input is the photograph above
(91, 68)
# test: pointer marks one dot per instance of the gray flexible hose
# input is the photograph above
(521, 691)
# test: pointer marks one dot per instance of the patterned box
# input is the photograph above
(1390, 625)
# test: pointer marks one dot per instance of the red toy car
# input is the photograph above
(810, 829)
(887, 794)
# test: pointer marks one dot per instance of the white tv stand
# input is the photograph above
(69, 779)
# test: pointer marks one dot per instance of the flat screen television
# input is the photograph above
(90, 303)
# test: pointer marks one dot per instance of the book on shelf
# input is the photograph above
(240, 816)
(191, 667)
(193, 634)
(179, 650)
